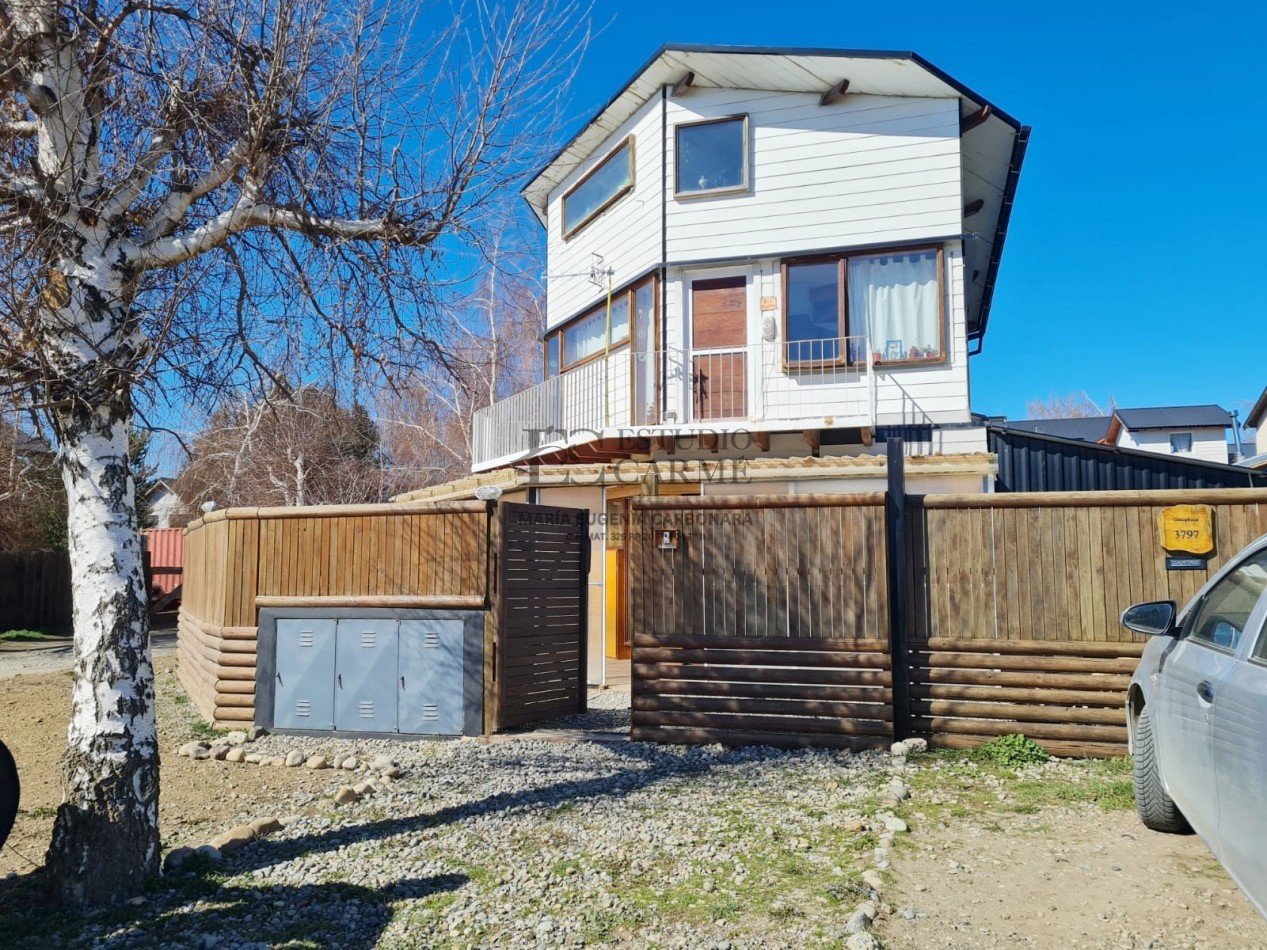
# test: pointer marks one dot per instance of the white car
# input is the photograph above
(1197, 713)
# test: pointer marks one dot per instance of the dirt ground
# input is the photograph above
(1060, 876)
(1064, 877)
(197, 801)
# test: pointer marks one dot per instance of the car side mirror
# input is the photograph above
(1154, 619)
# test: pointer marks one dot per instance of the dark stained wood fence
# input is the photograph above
(1012, 606)
(760, 620)
(538, 646)
(35, 590)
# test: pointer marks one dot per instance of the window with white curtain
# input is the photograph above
(896, 300)
(892, 299)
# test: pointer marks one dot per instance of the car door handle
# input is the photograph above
(1205, 691)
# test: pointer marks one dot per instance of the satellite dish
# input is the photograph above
(488, 493)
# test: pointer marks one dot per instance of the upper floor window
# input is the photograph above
(603, 186)
(894, 299)
(1181, 442)
(712, 156)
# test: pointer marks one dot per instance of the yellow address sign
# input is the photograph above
(1187, 528)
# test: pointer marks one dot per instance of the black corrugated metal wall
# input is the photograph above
(1032, 462)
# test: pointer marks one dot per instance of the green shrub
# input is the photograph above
(1013, 752)
(14, 635)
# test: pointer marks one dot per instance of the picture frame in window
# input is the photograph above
(893, 350)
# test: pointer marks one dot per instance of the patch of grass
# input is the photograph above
(1013, 752)
(205, 730)
(40, 811)
(22, 636)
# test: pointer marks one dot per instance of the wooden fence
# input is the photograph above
(34, 590)
(1009, 619)
(236, 561)
(760, 620)
(166, 550)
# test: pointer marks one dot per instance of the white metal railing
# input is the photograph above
(828, 382)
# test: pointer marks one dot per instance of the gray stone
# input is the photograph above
(336, 760)
(873, 880)
(233, 839)
(317, 762)
(175, 858)
(364, 788)
(346, 795)
(393, 773)
(237, 754)
(254, 733)
(210, 852)
(295, 759)
(859, 922)
(189, 748)
(349, 764)
(910, 913)
(381, 763)
(899, 791)
(262, 827)
(201, 752)
(236, 737)
(917, 745)
(895, 824)
(862, 941)
(254, 758)
(898, 748)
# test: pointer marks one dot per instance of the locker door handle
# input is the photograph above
(279, 678)
(340, 680)
(402, 682)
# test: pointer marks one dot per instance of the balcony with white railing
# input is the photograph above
(756, 387)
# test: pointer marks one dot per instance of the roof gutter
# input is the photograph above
(1019, 144)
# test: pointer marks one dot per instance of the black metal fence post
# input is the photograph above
(895, 530)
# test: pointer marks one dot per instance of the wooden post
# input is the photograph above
(583, 519)
(895, 525)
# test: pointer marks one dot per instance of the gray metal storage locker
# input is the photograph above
(304, 678)
(365, 676)
(431, 697)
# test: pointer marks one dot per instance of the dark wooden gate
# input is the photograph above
(540, 611)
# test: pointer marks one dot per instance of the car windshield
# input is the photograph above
(1220, 618)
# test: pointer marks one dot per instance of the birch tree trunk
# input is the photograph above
(105, 837)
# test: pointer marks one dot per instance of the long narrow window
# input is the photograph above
(834, 306)
(604, 185)
(587, 336)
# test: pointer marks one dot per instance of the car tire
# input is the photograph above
(10, 793)
(1155, 808)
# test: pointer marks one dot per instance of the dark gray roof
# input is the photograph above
(1173, 417)
(1084, 428)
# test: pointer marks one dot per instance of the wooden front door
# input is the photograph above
(719, 337)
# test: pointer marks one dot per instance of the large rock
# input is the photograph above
(346, 795)
(219, 752)
(295, 759)
(317, 762)
(895, 824)
(210, 852)
(381, 763)
(364, 788)
(873, 880)
(236, 737)
(263, 827)
(176, 858)
(189, 748)
(236, 754)
(201, 752)
(916, 745)
(233, 839)
(350, 764)
(862, 941)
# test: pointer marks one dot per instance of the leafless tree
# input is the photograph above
(195, 194)
(285, 448)
(32, 503)
(429, 422)
(1076, 405)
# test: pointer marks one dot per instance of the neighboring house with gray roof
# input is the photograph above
(1083, 428)
(1193, 431)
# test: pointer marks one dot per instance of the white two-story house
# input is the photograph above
(774, 258)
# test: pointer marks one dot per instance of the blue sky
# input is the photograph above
(1130, 270)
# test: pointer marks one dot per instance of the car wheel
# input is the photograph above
(1155, 808)
(10, 792)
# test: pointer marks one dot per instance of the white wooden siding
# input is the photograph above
(1208, 444)
(869, 170)
(627, 234)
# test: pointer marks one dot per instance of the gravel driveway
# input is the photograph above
(528, 843)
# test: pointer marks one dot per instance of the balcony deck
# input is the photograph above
(760, 387)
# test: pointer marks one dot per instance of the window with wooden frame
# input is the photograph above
(895, 298)
(711, 156)
(586, 337)
(600, 188)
